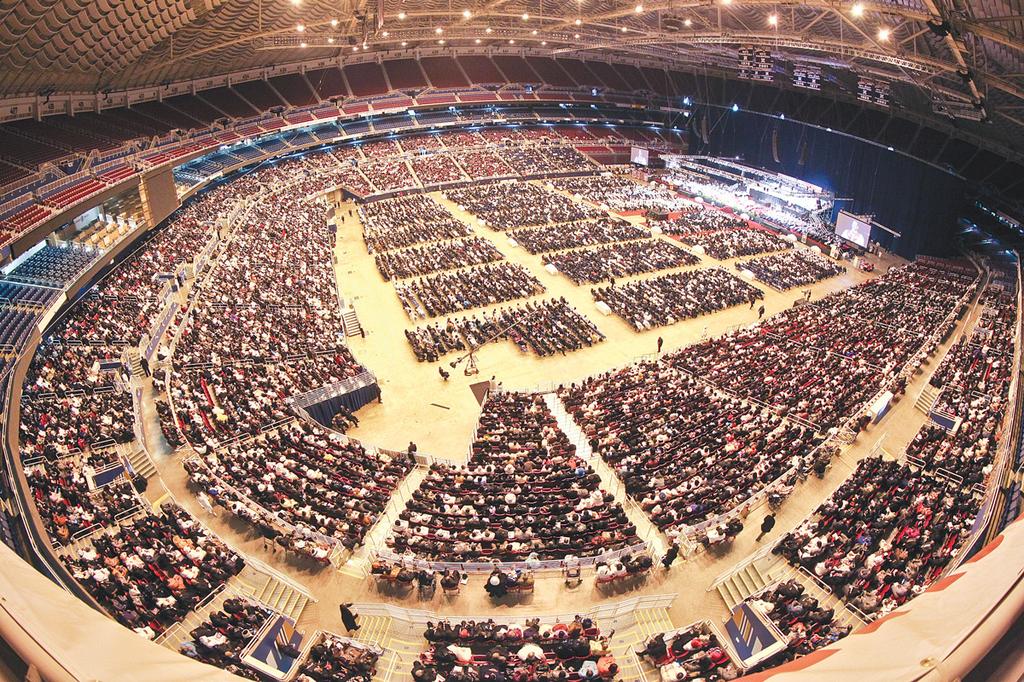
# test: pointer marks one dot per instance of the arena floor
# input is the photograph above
(440, 417)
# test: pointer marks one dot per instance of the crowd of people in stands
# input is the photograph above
(525, 492)
(436, 169)
(623, 259)
(534, 160)
(725, 244)
(664, 300)
(424, 260)
(450, 292)
(690, 653)
(317, 481)
(794, 268)
(884, 535)
(807, 624)
(571, 235)
(387, 175)
(484, 163)
(511, 205)
(530, 651)
(220, 640)
(406, 221)
(148, 574)
(543, 327)
(337, 659)
(622, 194)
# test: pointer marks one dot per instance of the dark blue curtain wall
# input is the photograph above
(916, 199)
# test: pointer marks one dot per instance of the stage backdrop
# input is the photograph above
(913, 198)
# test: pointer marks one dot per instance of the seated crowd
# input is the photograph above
(484, 163)
(685, 451)
(435, 169)
(622, 194)
(688, 654)
(450, 292)
(406, 221)
(664, 300)
(311, 478)
(338, 659)
(528, 161)
(148, 574)
(424, 260)
(525, 492)
(527, 652)
(624, 259)
(510, 205)
(387, 175)
(220, 640)
(698, 219)
(806, 623)
(789, 269)
(543, 327)
(884, 535)
(725, 244)
(604, 230)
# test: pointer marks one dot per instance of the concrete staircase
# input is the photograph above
(750, 576)
(269, 590)
(350, 322)
(135, 362)
(926, 399)
(140, 460)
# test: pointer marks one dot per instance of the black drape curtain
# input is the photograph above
(324, 412)
(918, 200)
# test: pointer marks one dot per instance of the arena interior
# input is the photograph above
(511, 340)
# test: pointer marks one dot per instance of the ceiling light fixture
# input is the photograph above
(533, 32)
(401, 15)
(511, 41)
(477, 41)
(543, 42)
(404, 43)
(466, 13)
(441, 41)
(884, 33)
(578, 22)
(300, 28)
(688, 23)
(773, 19)
(330, 40)
(488, 30)
(857, 10)
(385, 34)
(302, 44)
(624, 29)
(438, 30)
(526, 16)
(639, 8)
(576, 36)
(334, 22)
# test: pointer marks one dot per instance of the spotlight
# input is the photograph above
(576, 36)
(533, 32)
(441, 41)
(735, 108)
(334, 23)
(300, 28)
(857, 10)
(404, 43)
(385, 34)
(401, 15)
(477, 41)
(543, 42)
(488, 30)
(511, 41)
(688, 23)
(884, 33)
(466, 13)
(303, 44)
(578, 22)
(624, 29)
(526, 16)
(638, 9)
(438, 30)
(330, 40)
(773, 20)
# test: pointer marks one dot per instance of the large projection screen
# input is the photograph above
(639, 155)
(853, 229)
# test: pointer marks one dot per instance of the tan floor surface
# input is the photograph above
(440, 418)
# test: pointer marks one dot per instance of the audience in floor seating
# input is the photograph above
(664, 300)
(62, 369)
(405, 221)
(725, 244)
(621, 193)
(220, 640)
(691, 653)
(525, 492)
(337, 659)
(424, 260)
(685, 451)
(436, 169)
(484, 163)
(543, 327)
(884, 535)
(696, 220)
(106, 321)
(789, 269)
(619, 260)
(450, 292)
(575, 234)
(510, 205)
(53, 427)
(150, 573)
(168, 426)
(308, 476)
(807, 624)
(527, 652)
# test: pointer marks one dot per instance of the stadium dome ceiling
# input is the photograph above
(962, 58)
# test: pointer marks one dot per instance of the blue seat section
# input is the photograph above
(16, 292)
(53, 266)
